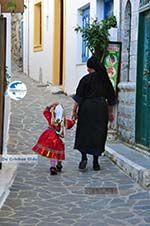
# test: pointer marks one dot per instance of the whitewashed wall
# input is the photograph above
(7, 99)
(38, 65)
(75, 69)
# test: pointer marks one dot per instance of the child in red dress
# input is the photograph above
(50, 144)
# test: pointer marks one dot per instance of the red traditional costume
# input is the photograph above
(50, 144)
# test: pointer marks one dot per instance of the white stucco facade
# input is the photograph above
(75, 69)
(38, 65)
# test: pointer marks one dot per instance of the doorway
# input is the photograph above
(58, 44)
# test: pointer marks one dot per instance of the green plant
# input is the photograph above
(96, 35)
(11, 5)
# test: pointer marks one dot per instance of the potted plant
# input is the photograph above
(96, 35)
(11, 5)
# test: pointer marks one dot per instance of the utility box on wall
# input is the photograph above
(12, 6)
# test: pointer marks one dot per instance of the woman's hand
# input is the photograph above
(74, 115)
(75, 111)
(110, 117)
(110, 114)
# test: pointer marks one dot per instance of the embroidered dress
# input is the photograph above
(51, 144)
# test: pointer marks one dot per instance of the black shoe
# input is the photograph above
(59, 167)
(96, 167)
(53, 171)
(82, 164)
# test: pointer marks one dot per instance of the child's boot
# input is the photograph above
(59, 166)
(53, 171)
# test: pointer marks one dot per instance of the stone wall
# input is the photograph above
(17, 40)
(127, 85)
(126, 111)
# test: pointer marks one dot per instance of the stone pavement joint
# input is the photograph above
(38, 199)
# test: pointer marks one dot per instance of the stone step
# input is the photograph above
(132, 162)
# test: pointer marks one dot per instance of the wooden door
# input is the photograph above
(2, 77)
(143, 82)
(58, 43)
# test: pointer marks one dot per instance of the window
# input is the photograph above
(108, 8)
(85, 22)
(38, 26)
(100, 9)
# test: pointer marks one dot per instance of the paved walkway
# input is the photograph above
(73, 198)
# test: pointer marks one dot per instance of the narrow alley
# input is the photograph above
(38, 199)
(47, 45)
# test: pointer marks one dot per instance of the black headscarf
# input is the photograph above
(94, 63)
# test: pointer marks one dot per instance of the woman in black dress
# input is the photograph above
(93, 107)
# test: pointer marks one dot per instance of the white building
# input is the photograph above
(38, 40)
(75, 57)
(52, 49)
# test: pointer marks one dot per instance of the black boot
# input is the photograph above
(96, 166)
(83, 163)
(59, 166)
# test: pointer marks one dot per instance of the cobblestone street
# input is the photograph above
(38, 199)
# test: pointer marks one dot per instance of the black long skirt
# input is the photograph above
(92, 126)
